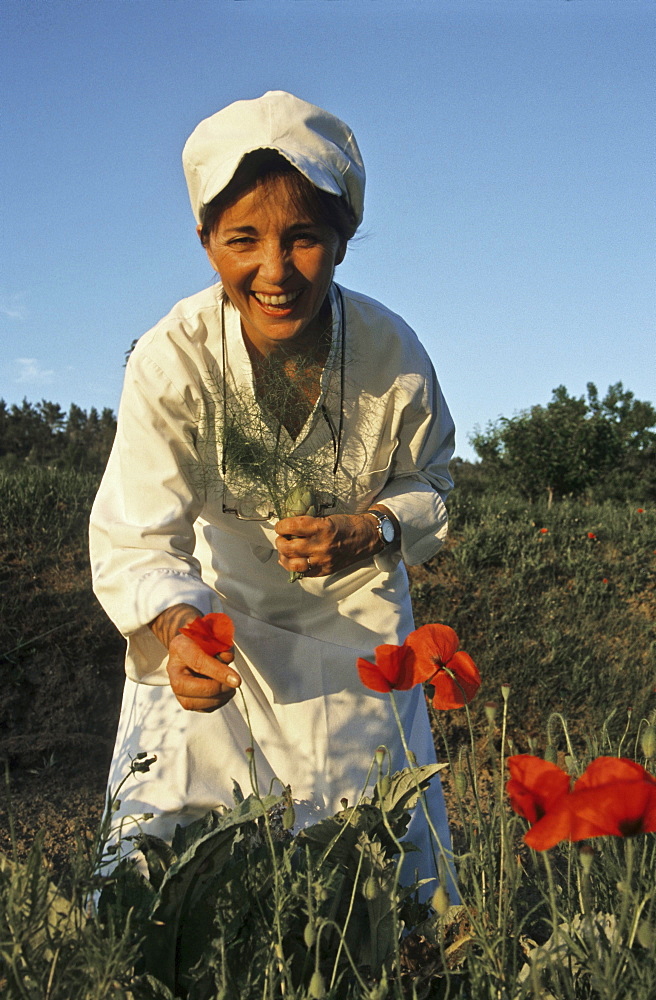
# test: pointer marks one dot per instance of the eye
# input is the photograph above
(241, 241)
(306, 237)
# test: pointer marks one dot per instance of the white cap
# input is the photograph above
(317, 143)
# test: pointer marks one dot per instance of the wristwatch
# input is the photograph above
(386, 529)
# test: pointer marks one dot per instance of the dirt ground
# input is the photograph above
(56, 762)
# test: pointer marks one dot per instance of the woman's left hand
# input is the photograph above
(318, 546)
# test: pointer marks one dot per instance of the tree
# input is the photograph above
(574, 445)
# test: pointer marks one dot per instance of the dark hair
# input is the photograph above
(260, 166)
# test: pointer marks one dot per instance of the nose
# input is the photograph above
(276, 264)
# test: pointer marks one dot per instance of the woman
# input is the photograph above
(270, 397)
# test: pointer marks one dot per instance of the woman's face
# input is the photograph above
(276, 265)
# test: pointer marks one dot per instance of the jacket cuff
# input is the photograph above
(423, 518)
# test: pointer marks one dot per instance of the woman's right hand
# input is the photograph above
(200, 682)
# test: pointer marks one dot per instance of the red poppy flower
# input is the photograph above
(535, 785)
(592, 535)
(393, 669)
(213, 633)
(544, 531)
(453, 673)
(640, 510)
(613, 797)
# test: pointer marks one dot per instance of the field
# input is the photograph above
(556, 606)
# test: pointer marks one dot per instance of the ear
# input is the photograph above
(206, 246)
(341, 252)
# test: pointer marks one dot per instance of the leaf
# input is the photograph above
(185, 836)
(148, 987)
(159, 856)
(403, 794)
(186, 878)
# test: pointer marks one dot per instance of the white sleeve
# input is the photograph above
(141, 535)
(420, 480)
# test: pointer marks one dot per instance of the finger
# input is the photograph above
(206, 704)
(185, 651)
(297, 527)
(187, 685)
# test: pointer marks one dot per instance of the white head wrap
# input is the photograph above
(317, 143)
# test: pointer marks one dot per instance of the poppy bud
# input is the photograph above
(309, 934)
(317, 988)
(441, 901)
(460, 782)
(288, 818)
(648, 741)
(550, 753)
(645, 935)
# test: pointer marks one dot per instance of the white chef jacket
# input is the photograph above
(159, 536)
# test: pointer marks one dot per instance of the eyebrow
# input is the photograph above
(296, 226)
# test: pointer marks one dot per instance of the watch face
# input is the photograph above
(387, 529)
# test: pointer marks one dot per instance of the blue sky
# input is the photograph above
(509, 146)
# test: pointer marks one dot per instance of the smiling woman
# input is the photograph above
(273, 424)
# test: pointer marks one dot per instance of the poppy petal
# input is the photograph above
(372, 677)
(456, 691)
(535, 785)
(432, 645)
(619, 809)
(604, 770)
(213, 633)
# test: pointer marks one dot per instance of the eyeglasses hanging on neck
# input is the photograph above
(254, 507)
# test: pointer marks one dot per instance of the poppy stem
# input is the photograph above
(446, 855)
(502, 816)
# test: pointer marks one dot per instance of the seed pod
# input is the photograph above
(586, 857)
(317, 988)
(380, 991)
(441, 901)
(648, 741)
(370, 888)
(288, 818)
(645, 935)
(385, 785)
(460, 782)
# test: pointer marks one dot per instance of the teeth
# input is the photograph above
(276, 300)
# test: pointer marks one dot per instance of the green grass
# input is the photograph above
(566, 619)
(569, 621)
